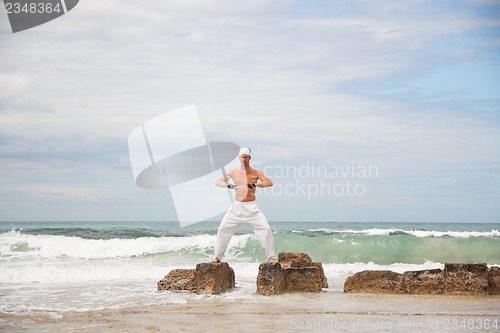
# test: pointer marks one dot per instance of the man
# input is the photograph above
(245, 209)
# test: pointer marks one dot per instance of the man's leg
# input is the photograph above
(227, 228)
(264, 233)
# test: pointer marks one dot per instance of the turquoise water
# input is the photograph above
(380, 243)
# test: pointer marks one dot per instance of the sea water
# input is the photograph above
(74, 266)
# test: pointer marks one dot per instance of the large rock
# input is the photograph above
(324, 280)
(429, 281)
(294, 259)
(304, 279)
(178, 279)
(207, 278)
(213, 278)
(295, 272)
(455, 279)
(271, 280)
(494, 281)
(376, 282)
(465, 279)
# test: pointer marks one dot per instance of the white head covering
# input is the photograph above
(245, 151)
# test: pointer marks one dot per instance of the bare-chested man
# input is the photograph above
(245, 209)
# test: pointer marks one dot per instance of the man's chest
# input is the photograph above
(248, 177)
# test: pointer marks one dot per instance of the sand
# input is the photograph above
(324, 312)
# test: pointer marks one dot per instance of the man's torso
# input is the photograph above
(244, 176)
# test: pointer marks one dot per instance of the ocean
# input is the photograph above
(56, 267)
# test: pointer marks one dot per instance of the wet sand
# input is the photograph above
(324, 312)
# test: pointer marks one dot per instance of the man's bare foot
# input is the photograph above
(215, 260)
(272, 261)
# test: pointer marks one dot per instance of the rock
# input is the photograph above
(377, 282)
(428, 281)
(303, 279)
(324, 280)
(177, 279)
(207, 278)
(213, 278)
(271, 280)
(294, 259)
(455, 279)
(295, 272)
(465, 279)
(494, 281)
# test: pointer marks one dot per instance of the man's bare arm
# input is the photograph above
(264, 180)
(222, 181)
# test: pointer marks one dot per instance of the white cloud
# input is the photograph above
(50, 191)
(484, 2)
(329, 84)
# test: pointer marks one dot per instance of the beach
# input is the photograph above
(102, 277)
(325, 312)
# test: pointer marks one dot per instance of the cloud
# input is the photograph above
(50, 191)
(12, 85)
(484, 2)
(296, 81)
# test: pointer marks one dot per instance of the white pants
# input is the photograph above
(244, 212)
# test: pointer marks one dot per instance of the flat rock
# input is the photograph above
(376, 282)
(494, 281)
(213, 278)
(295, 272)
(177, 279)
(455, 279)
(294, 259)
(465, 279)
(271, 280)
(324, 280)
(429, 281)
(303, 279)
(206, 278)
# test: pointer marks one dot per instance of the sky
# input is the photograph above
(359, 111)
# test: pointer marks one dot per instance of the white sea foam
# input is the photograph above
(416, 233)
(15, 244)
(115, 285)
(61, 259)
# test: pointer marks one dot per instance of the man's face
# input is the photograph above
(244, 158)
